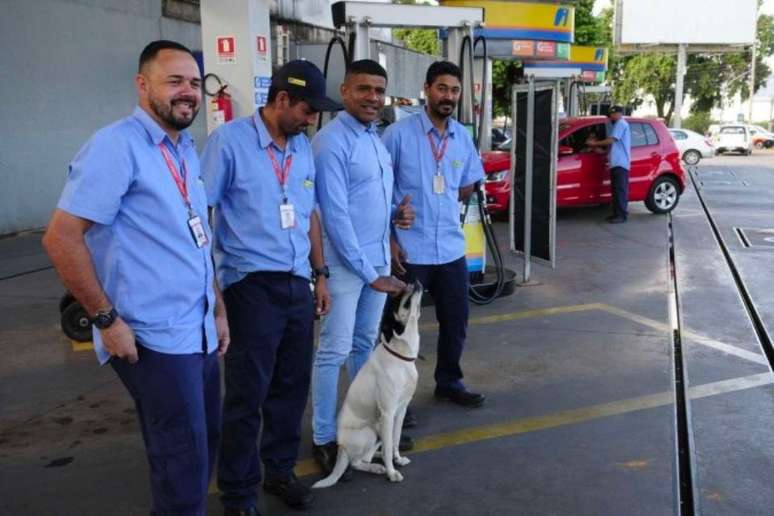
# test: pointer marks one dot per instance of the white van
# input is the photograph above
(733, 138)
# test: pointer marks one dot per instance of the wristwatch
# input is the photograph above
(103, 320)
(322, 271)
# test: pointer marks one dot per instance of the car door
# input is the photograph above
(578, 173)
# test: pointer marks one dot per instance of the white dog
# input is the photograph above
(373, 411)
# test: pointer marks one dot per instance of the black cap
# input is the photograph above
(304, 80)
(615, 109)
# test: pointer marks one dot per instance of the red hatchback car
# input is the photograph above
(583, 177)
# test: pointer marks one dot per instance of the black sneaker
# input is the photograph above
(461, 397)
(410, 419)
(616, 220)
(325, 456)
(230, 511)
(295, 494)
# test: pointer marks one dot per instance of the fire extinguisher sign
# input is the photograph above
(261, 48)
(225, 48)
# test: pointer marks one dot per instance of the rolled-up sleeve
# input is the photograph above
(216, 167)
(474, 169)
(332, 187)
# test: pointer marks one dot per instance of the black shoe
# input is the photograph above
(461, 397)
(410, 419)
(406, 443)
(325, 456)
(230, 511)
(609, 218)
(295, 494)
(616, 220)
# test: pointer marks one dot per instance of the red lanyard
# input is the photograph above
(282, 173)
(180, 179)
(438, 154)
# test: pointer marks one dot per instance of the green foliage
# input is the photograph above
(699, 121)
(421, 40)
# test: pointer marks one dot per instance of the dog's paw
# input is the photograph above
(402, 461)
(395, 476)
(378, 469)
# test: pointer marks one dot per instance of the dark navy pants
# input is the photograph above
(448, 284)
(178, 405)
(619, 186)
(268, 369)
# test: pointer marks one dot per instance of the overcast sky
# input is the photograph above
(767, 7)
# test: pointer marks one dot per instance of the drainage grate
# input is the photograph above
(756, 237)
(713, 182)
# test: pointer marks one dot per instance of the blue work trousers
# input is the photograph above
(448, 284)
(178, 406)
(267, 371)
(619, 186)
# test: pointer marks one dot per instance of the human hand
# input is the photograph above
(322, 298)
(224, 335)
(118, 340)
(389, 284)
(404, 214)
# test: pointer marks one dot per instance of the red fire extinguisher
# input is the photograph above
(220, 108)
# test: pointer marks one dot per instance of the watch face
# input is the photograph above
(104, 319)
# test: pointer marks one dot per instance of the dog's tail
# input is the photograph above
(342, 461)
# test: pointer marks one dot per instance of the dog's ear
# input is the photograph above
(388, 317)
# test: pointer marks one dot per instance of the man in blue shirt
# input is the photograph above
(130, 241)
(619, 160)
(354, 189)
(260, 178)
(434, 160)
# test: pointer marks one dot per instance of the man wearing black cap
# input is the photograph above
(259, 175)
(619, 160)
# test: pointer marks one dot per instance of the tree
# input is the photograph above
(421, 40)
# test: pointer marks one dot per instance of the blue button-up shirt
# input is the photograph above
(143, 252)
(244, 190)
(619, 154)
(354, 189)
(436, 236)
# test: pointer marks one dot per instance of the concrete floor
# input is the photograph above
(577, 369)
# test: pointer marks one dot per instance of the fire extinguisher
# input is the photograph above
(219, 107)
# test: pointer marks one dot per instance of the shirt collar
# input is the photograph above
(356, 125)
(154, 130)
(427, 124)
(264, 138)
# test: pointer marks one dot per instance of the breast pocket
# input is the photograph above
(304, 198)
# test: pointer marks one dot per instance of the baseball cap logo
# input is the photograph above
(296, 81)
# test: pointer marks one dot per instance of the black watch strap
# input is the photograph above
(322, 271)
(104, 319)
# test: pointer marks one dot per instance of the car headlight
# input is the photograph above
(496, 177)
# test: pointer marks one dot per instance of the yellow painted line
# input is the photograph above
(563, 418)
(82, 346)
(700, 339)
(526, 314)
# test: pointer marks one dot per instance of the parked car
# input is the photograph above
(657, 176)
(733, 138)
(692, 146)
(762, 139)
(499, 135)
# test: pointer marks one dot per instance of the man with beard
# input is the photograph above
(619, 159)
(354, 188)
(434, 160)
(260, 178)
(129, 239)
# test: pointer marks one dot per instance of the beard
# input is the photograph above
(166, 112)
(443, 109)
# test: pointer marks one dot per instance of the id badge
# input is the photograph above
(439, 184)
(197, 231)
(287, 216)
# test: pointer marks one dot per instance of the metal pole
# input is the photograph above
(752, 83)
(681, 58)
(486, 119)
(514, 132)
(528, 165)
(771, 111)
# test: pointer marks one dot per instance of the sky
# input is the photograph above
(767, 7)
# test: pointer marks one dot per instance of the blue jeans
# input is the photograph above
(178, 406)
(347, 335)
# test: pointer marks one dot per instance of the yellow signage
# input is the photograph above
(523, 20)
(589, 58)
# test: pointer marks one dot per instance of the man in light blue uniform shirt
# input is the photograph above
(354, 189)
(130, 241)
(434, 160)
(260, 178)
(619, 161)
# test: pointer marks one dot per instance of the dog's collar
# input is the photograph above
(398, 355)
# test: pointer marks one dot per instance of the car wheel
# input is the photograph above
(692, 157)
(663, 195)
(748, 152)
(759, 145)
(719, 152)
(76, 323)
